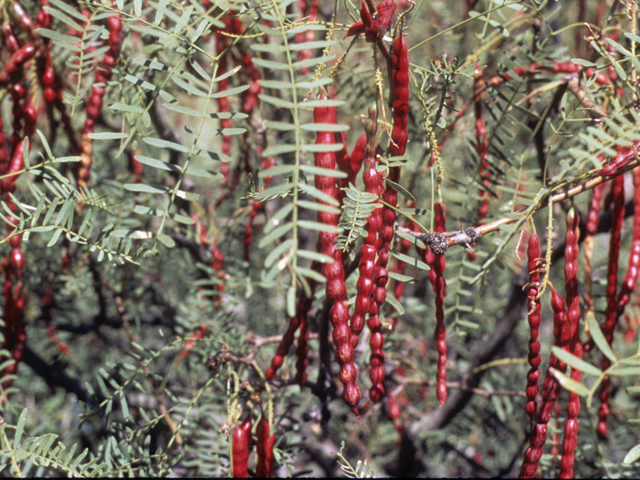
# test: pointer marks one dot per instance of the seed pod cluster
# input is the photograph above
(366, 266)
(11, 162)
(550, 388)
(336, 289)
(240, 444)
(571, 252)
(535, 318)
(626, 289)
(397, 147)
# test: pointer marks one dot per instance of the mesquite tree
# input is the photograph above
(428, 201)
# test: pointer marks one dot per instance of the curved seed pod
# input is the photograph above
(535, 318)
(287, 340)
(550, 389)
(240, 443)
(334, 273)
(571, 252)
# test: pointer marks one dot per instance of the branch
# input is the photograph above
(470, 236)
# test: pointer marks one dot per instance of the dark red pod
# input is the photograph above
(264, 448)
(336, 289)
(575, 345)
(550, 389)
(240, 443)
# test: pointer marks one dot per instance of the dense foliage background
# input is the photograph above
(157, 164)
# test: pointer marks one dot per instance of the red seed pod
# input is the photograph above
(400, 62)
(240, 448)
(222, 50)
(611, 313)
(300, 321)
(22, 18)
(335, 289)
(13, 65)
(14, 242)
(358, 154)
(366, 266)
(264, 449)
(401, 96)
(374, 28)
(10, 40)
(573, 318)
(17, 260)
(440, 287)
(594, 209)
(535, 318)
(17, 163)
(627, 287)
(624, 156)
(550, 389)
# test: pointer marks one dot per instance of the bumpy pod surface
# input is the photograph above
(264, 448)
(240, 443)
(550, 389)
(336, 289)
(571, 251)
(535, 318)
(397, 147)
(366, 265)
